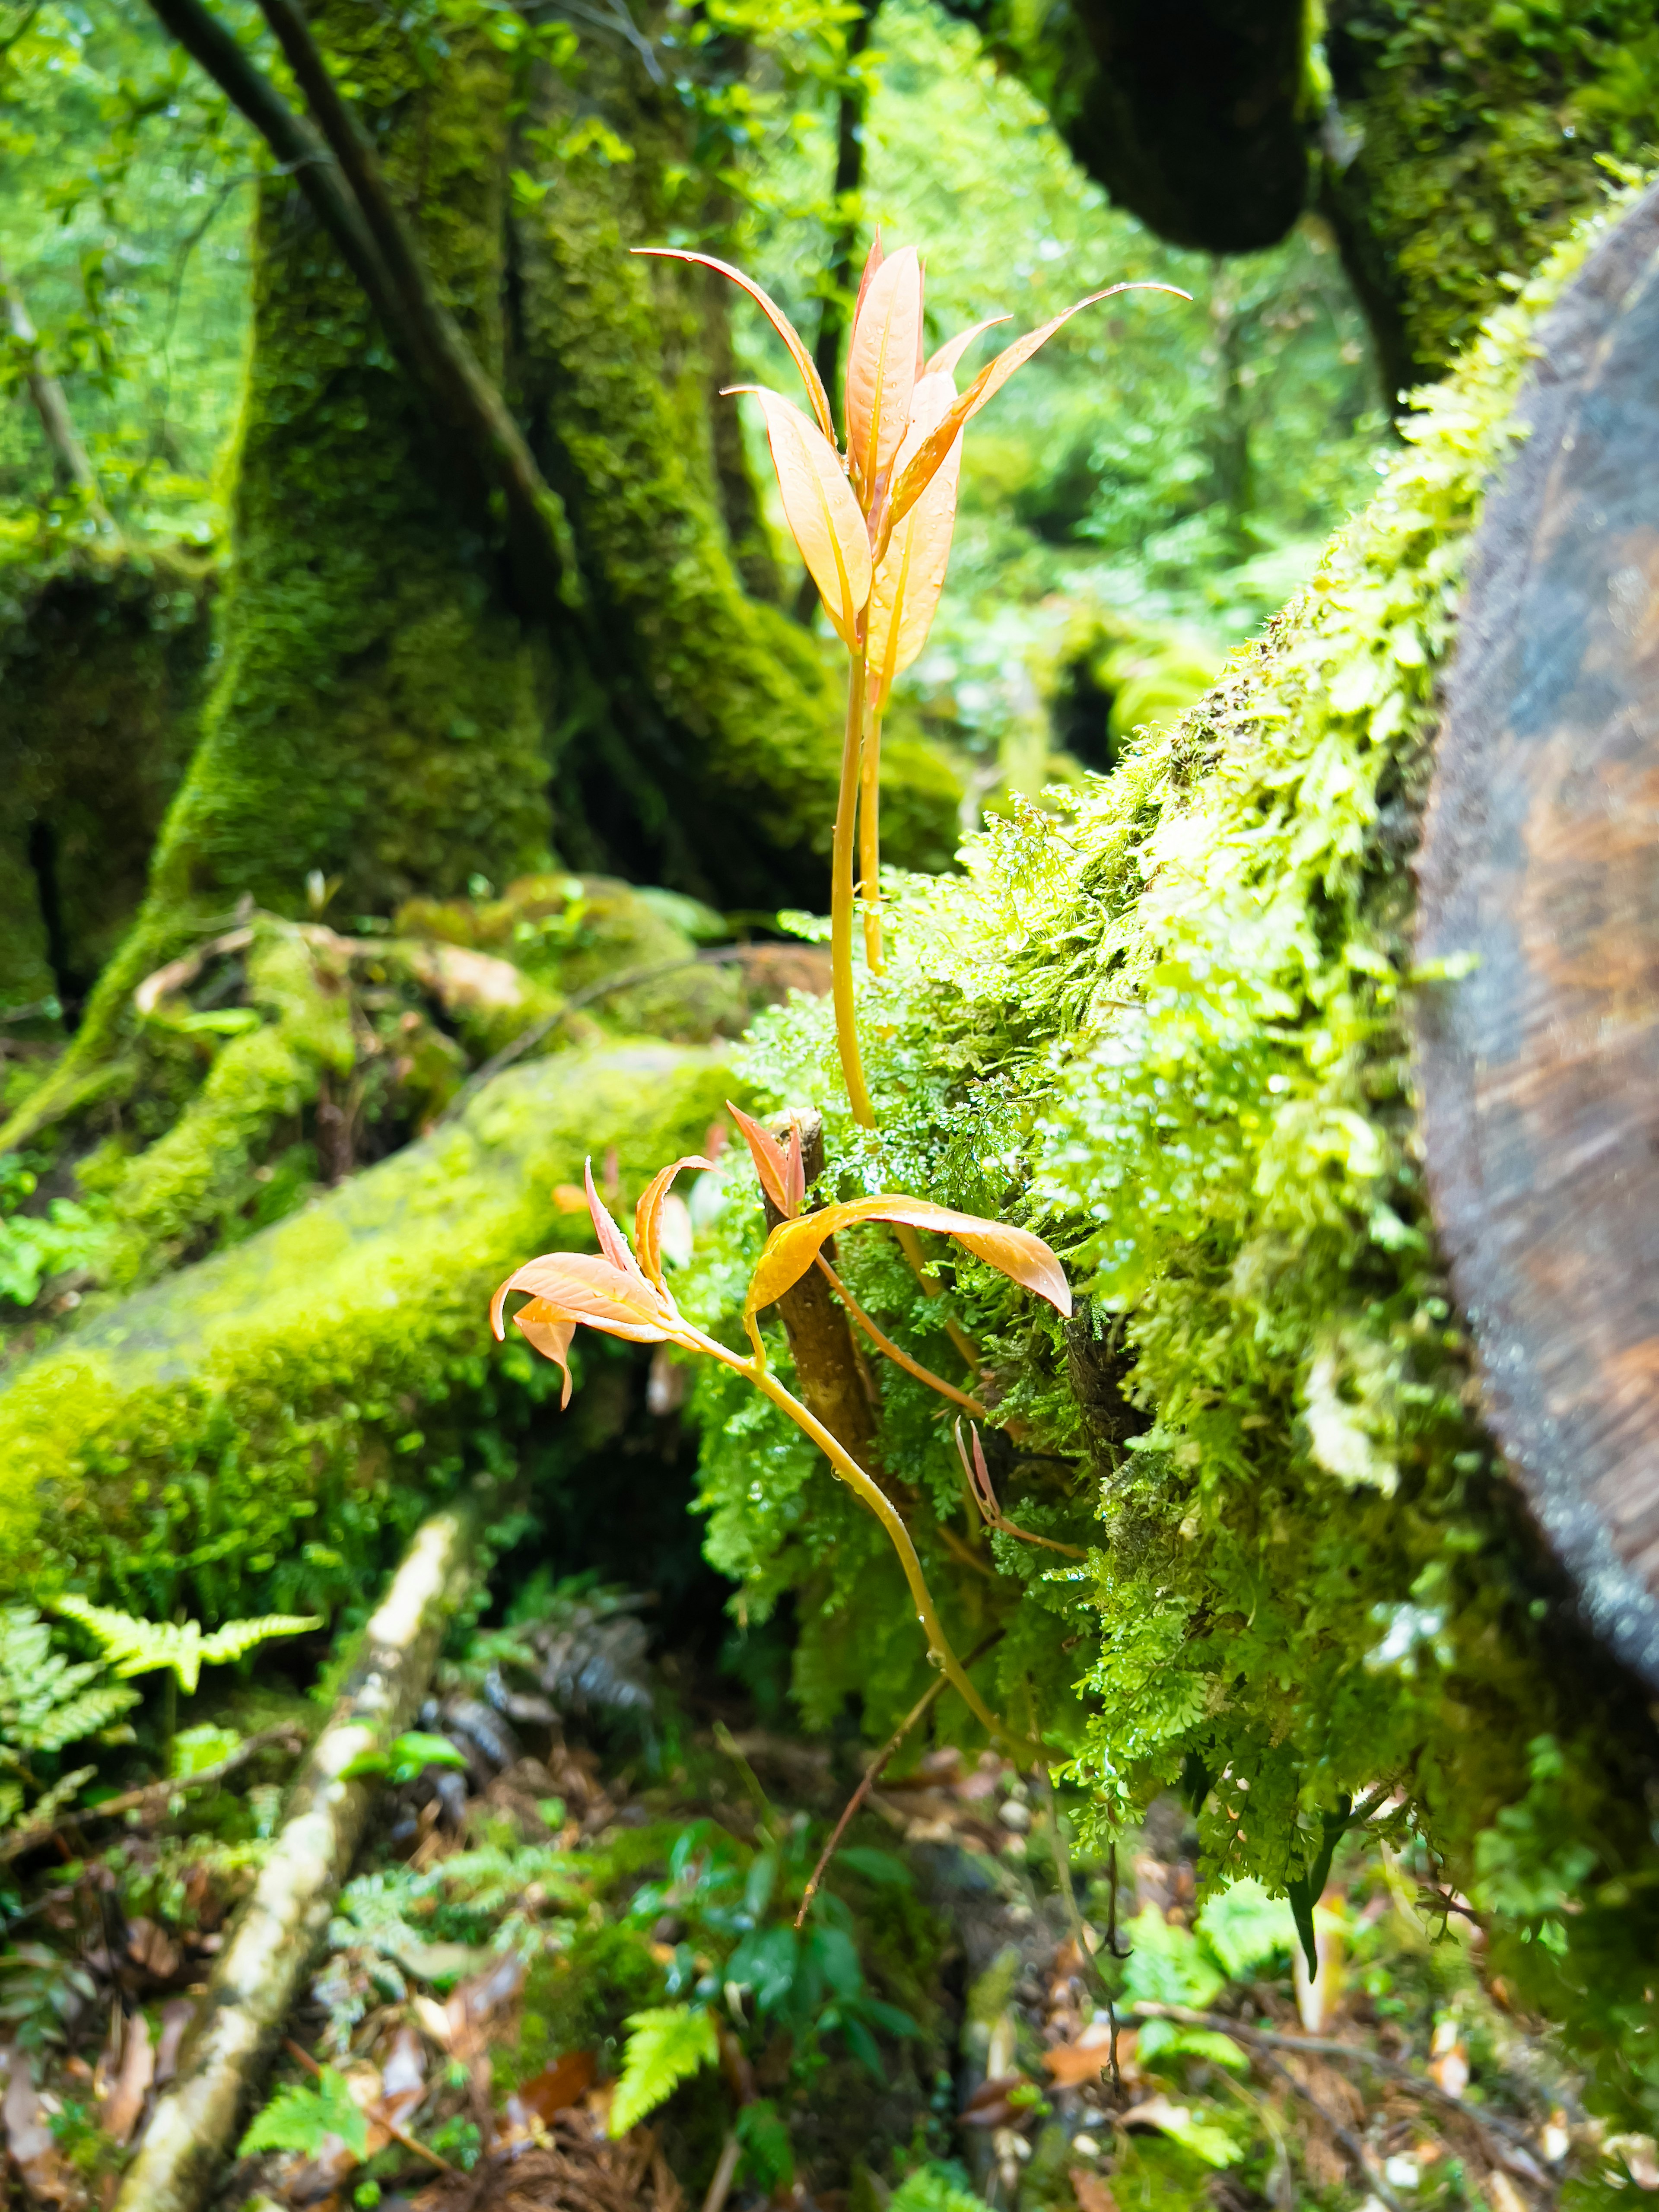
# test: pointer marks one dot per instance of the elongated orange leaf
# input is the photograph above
(943, 362)
(919, 472)
(795, 1245)
(778, 1166)
(775, 315)
(581, 1286)
(873, 261)
(905, 593)
(551, 1335)
(612, 1243)
(881, 368)
(647, 1217)
(821, 510)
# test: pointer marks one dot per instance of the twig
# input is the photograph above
(720, 2187)
(527, 1040)
(1074, 1921)
(872, 1774)
(139, 1800)
(381, 2119)
(885, 1344)
(1343, 2134)
(1490, 2126)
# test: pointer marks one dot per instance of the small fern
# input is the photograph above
(47, 1701)
(142, 1647)
(302, 2120)
(665, 2046)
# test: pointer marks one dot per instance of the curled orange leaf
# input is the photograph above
(780, 1167)
(647, 1217)
(821, 510)
(943, 362)
(612, 1243)
(882, 355)
(920, 471)
(773, 313)
(795, 1245)
(551, 1335)
(580, 1288)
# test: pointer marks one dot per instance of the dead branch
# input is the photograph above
(151, 1798)
(260, 1971)
(52, 403)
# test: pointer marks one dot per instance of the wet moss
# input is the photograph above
(251, 1430)
(1171, 1033)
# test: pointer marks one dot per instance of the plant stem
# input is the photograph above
(872, 1495)
(882, 1506)
(884, 1344)
(870, 842)
(840, 897)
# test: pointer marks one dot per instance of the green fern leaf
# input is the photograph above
(237, 1637)
(142, 1647)
(665, 2046)
(90, 1714)
(302, 2120)
(11, 1803)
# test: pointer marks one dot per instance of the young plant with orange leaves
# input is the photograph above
(625, 1293)
(873, 523)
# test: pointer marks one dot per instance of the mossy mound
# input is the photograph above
(258, 1426)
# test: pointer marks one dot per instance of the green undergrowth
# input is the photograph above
(1166, 1026)
(250, 1433)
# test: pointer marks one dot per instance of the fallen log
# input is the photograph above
(258, 1973)
(334, 1369)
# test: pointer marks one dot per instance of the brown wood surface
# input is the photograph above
(1538, 1071)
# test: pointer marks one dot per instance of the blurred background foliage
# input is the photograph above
(1157, 482)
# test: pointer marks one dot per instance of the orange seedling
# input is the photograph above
(873, 523)
(623, 1292)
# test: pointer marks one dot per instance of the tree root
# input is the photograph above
(260, 1972)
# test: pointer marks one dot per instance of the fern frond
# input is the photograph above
(302, 2120)
(665, 2046)
(11, 1803)
(237, 1637)
(90, 1714)
(141, 1647)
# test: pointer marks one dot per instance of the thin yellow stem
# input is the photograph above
(870, 841)
(869, 1494)
(910, 1244)
(840, 897)
(900, 1358)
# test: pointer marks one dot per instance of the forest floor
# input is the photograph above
(580, 1887)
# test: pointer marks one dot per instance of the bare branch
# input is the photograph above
(51, 403)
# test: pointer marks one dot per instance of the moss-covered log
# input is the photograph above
(271, 1420)
(1309, 1572)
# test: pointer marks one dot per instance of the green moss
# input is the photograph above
(101, 666)
(200, 1171)
(1477, 129)
(1169, 1033)
(253, 1427)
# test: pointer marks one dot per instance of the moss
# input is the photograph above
(200, 1171)
(1170, 1032)
(1474, 131)
(101, 663)
(251, 1429)
(726, 734)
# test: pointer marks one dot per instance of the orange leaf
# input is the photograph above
(919, 472)
(579, 1286)
(612, 1243)
(648, 1216)
(775, 314)
(550, 1335)
(881, 367)
(943, 362)
(873, 261)
(904, 592)
(821, 510)
(779, 1168)
(793, 1245)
